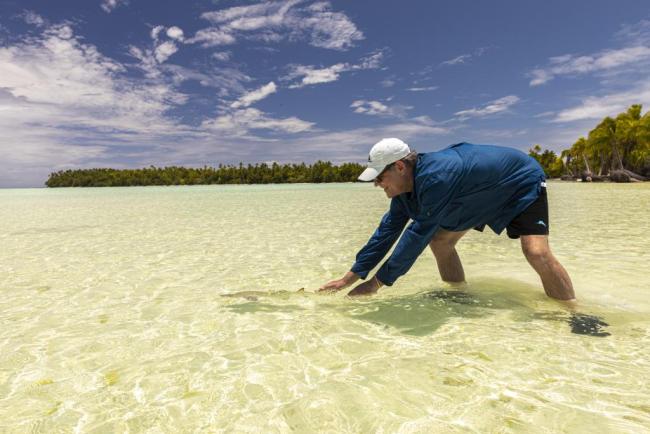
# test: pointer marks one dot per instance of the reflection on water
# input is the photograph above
(178, 309)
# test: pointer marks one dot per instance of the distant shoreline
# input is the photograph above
(317, 173)
(262, 174)
(616, 177)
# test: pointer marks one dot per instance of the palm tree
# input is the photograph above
(626, 134)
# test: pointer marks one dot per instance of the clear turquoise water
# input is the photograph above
(114, 317)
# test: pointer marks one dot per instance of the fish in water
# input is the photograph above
(255, 295)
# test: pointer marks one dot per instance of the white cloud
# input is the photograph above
(226, 81)
(498, 134)
(156, 31)
(255, 95)
(539, 76)
(633, 56)
(423, 119)
(604, 60)
(33, 18)
(61, 31)
(631, 59)
(545, 114)
(240, 122)
(331, 30)
(457, 60)
(377, 108)
(353, 145)
(369, 107)
(151, 58)
(312, 75)
(224, 56)
(175, 33)
(493, 107)
(251, 16)
(212, 37)
(163, 51)
(372, 61)
(109, 5)
(147, 59)
(276, 21)
(636, 34)
(63, 102)
(597, 107)
(465, 58)
(58, 72)
(422, 89)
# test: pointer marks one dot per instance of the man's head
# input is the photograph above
(390, 166)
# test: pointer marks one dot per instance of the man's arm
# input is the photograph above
(382, 239)
(415, 238)
(378, 245)
(435, 198)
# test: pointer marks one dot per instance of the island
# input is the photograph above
(264, 173)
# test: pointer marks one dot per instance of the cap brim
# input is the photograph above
(369, 174)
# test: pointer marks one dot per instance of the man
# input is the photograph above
(446, 194)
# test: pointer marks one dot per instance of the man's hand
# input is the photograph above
(337, 285)
(366, 288)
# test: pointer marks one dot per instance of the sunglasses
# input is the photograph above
(381, 174)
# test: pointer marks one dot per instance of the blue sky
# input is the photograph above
(130, 83)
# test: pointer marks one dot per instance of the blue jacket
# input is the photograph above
(458, 188)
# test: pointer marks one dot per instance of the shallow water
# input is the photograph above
(114, 317)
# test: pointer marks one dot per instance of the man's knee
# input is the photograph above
(441, 244)
(443, 241)
(536, 249)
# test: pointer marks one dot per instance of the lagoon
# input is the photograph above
(178, 309)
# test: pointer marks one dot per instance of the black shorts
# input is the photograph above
(532, 221)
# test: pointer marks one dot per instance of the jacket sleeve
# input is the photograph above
(382, 240)
(434, 200)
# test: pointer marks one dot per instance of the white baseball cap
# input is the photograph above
(383, 153)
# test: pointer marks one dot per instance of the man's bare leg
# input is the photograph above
(556, 281)
(443, 246)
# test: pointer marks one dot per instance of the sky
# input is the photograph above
(134, 83)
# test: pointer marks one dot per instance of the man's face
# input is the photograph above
(393, 180)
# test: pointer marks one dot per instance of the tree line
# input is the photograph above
(319, 172)
(618, 148)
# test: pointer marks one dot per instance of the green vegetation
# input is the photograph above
(321, 171)
(553, 165)
(616, 147)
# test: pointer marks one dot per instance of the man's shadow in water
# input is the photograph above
(420, 314)
(423, 313)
